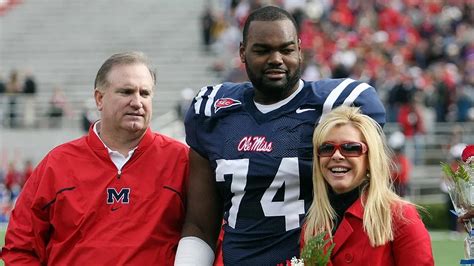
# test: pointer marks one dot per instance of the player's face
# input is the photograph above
(272, 59)
(126, 104)
(344, 173)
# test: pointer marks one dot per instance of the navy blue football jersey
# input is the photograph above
(263, 161)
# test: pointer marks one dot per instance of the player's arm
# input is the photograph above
(203, 215)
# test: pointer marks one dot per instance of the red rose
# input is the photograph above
(467, 153)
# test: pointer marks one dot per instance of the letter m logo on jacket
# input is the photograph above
(123, 196)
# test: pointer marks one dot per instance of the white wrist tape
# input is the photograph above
(193, 251)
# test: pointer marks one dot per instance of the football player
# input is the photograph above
(251, 148)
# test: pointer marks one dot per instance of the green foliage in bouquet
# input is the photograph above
(313, 252)
(460, 174)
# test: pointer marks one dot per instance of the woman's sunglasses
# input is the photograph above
(347, 149)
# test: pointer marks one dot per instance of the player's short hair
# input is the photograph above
(267, 13)
(124, 58)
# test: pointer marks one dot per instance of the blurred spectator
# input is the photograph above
(3, 174)
(343, 60)
(187, 95)
(27, 171)
(3, 87)
(5, 203)
(207, 22)
(226, 46)
(464, 103)
(312, 70)
(57, 107)
(29, 86)
(5, 199)
(13, 88)
(411, 121)
(89, 114)
(399, 95)
(13, 180)
(237, 73)
(3, 102)
(219, 25)
(29, 90)
(401, 171)
(13, 85)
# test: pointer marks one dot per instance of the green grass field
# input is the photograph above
(447, 250)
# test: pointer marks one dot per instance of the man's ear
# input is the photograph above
(299, 49)
(242, 52)
(98, 96)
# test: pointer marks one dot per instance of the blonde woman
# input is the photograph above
(353, 200)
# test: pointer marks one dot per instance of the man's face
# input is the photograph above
(126, 104)
(272, 59)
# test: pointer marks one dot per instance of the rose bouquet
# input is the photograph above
(460, 186)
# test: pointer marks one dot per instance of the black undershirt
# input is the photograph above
(341, 202)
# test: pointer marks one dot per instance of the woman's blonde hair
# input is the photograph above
(377, 194)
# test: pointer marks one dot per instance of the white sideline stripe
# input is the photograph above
(447, 235)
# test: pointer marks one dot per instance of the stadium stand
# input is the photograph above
(64, 42)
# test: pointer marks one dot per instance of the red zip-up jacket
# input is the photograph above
(411, 244)
(78, 209)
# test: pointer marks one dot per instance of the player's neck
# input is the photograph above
(266, 98)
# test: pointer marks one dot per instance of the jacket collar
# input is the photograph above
(99, 148)
(345, 229)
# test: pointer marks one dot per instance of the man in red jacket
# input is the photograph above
(113, 197)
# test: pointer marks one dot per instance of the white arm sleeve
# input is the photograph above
(193, 251)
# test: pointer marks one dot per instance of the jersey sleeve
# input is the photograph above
(371, 105)
(211, 104)
(349, 92)
(194, 120)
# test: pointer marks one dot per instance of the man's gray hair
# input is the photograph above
(125, 58)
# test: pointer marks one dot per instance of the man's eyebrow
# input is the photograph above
(263, 45)
(124, 88)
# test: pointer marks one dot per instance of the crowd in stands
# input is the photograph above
(12, 179)
(18, 99)
(18, 84)
(418, 54)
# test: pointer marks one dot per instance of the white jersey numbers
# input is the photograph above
(238, 169)
(291, 207)
(287, 176)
